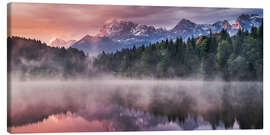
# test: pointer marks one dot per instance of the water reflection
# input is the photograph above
(63, 122)
(134, 106)
(121, 120)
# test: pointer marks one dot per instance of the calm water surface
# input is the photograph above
(133, 105)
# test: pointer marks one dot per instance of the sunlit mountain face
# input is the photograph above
(56, 42)
(126, 34)
(126, 26)
(105, 68)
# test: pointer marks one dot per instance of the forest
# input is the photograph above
(217, 55)
(28, 58)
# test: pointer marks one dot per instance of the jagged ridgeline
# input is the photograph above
(239, 57)
(31, 58)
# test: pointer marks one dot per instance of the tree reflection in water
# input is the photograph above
(137, 106)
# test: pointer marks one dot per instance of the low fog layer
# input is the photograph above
(46, 81)
(213, 101)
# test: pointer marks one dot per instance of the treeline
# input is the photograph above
(239, 57)
(31, 58)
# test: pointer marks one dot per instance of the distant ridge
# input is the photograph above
(118, 34)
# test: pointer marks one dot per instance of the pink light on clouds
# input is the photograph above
(73, 21)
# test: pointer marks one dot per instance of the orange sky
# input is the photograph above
(66, 21)
(73, 21)
(46, 21)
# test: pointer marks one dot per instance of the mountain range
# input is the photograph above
(118, 34)
(61, 43)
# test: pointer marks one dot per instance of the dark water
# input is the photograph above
(133, 105)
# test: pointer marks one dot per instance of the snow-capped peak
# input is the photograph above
(117, 28)
(57, 42)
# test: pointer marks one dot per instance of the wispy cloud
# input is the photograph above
(46, 21)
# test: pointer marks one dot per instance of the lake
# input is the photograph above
(133, 105)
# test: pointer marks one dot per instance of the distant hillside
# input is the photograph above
(31, 57)
(94, 45)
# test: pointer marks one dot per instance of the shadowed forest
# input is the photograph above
(231, 58)
(140, 88)
(107, 68)
(216, 56)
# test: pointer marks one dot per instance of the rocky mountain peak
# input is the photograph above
(116, 27)
(185, 23)
(57, 42)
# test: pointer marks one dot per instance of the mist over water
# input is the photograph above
(177, 82)
(133, 105)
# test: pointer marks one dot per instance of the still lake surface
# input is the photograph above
(133, 105)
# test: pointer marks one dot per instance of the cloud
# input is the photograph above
(73, 21)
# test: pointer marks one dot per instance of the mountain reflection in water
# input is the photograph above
(133, 105)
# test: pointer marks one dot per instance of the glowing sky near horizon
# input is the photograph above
(73, 21)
